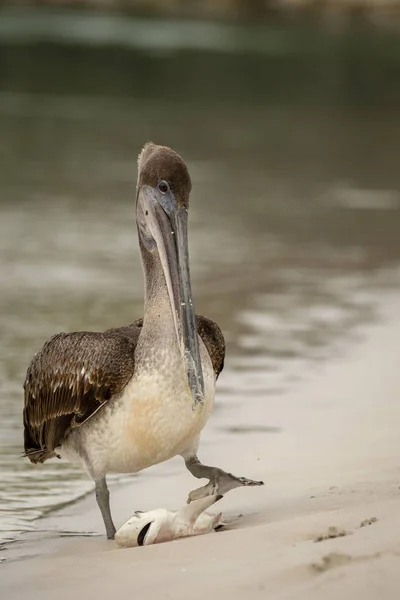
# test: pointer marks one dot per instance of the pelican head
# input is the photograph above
(163, 191)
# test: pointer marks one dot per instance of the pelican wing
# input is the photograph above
(213, 340)
(68, 380)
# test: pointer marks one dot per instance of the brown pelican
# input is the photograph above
(132, 397)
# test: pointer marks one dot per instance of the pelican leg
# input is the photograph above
(219, 483)
(103, 502)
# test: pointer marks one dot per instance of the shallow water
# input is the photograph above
(294, 219)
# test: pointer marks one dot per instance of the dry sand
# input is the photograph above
(332, 474)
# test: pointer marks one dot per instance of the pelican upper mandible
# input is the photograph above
(135, 396)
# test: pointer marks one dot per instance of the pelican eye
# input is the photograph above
(163, 186)
(142, 534)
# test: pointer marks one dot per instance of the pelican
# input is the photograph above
(135, 396)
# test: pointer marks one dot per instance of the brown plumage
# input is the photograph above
(155, 165)
(153, 376)
(75, 374)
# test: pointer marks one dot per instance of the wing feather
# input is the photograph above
(213, 340)
(68, 380)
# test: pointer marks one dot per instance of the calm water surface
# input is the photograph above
(294, 219)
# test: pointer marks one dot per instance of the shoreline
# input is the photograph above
(331, 473)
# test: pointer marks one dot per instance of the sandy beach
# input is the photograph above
(326, 524)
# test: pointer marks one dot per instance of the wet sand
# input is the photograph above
(326, 524)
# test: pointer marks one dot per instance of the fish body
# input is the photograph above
(163, 525)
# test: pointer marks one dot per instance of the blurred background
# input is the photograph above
(288, 115)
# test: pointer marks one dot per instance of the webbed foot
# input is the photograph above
(219, 483)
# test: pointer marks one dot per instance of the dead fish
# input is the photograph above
(162, 525)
